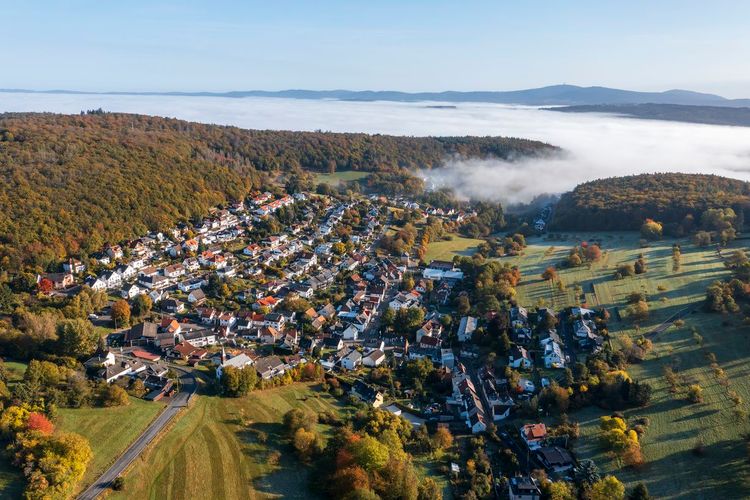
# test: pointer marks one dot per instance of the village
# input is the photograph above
(234, 291)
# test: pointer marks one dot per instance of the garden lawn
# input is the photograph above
(446, 249)
(109, 430)
(207, 454)
(338, 177)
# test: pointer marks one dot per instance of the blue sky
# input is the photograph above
(400, 45)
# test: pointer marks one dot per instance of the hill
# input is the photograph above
(68, 184)
(622, 203)
(544, 96)
(712, 115)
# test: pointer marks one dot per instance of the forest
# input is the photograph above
(623, 203)
(70, 183)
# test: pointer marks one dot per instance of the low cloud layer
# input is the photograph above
(597, 145)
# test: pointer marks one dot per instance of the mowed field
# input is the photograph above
(672, 470)
(109, 430)
(207, 453)
(594, 285)
(338, 177)
(446, 249)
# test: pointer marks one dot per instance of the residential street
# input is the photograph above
(179, 401)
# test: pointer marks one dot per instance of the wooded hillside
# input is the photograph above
(623, 203)
(70, 183)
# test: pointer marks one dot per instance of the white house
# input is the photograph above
(374, 358)
(352, 360)
(130, 291)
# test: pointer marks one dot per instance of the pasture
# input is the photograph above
(109, 430)
(337, 178)
(207, 453)
(446, 249)
(672, 469)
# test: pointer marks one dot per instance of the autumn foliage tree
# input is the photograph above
(121, 313)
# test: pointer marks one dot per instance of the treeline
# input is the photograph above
(623, 203)
(72, 183)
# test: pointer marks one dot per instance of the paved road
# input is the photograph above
(179, 401)
(666, 324)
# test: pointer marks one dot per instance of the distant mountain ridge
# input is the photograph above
(554, 95)
(711, 115)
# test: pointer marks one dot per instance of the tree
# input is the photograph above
(307, 443)
(560, 490)
(142, 305)
(550, 274)
(76, 338)
(369, 453)
(593, 253)
(695, 393)
(429, 490)
(651, 230)
(114, 395)
(7, 299)
(463, 306)
(45, 286)
(39, 423)
(640, 492)
(121, 312)
(609, 488)
(442, 439)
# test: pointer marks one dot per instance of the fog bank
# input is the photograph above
(596, 145)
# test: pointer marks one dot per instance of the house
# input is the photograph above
(367, 394)
(269, 335)
(533, 435)
(308, 344)
(74, 266)
(129, 292)
(59, 280)
(523, 488)
(126, 271)
(466, 328)
(350, 333)
(207, 315)
(145, 355)
(172, 306)
(275, 320)
(200, 338)
(333, 342)
(518, 357)
(122, 367)
(142, 333)
(174, 271)
(553, 355)
(555, 459)
(183, 350)
(374, 358)
(240, 361)
(352, 360)
(431, 328)
(197, 297)
(270, 367)
(100, 360)
(95, 283)
(114, 251)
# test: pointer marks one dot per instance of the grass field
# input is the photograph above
(671, 470)
(109, 430)
(207, 454)
(668, 291)
(446, 249)
(338, 177)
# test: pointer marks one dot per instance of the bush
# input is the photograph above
(118, 484)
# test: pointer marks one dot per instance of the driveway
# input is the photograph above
(177, 402)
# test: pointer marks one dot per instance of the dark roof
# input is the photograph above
(366, 392)
(145, 329)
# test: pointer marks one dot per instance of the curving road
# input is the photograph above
(178, 402)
